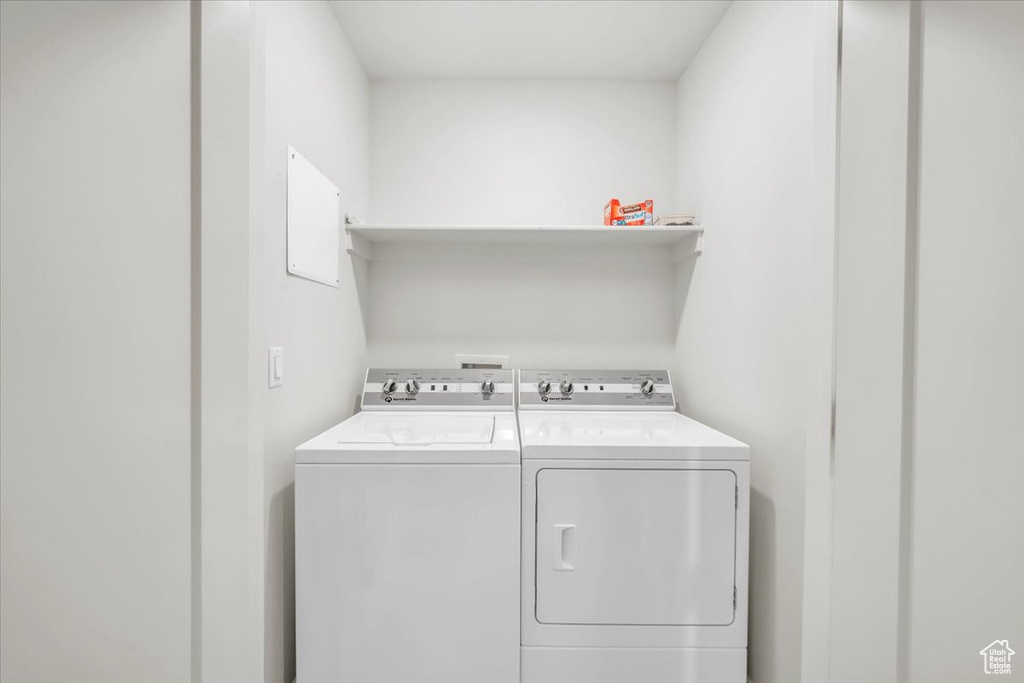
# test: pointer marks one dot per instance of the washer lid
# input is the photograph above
(407, 437)
(411, 429)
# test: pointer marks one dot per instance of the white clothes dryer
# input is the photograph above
(407, 534)
(635, 534)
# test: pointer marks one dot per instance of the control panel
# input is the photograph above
(595, 390)
(453, 389)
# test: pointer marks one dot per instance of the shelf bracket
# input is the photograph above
(689, 248)
(357, 245)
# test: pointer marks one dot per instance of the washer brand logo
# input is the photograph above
(996, 657)
(387, 399)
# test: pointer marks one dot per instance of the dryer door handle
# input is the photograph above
(565, 547)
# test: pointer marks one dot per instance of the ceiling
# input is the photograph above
(652, 40)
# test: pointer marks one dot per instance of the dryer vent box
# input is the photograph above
(470, 361)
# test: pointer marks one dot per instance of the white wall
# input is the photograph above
(94, 342)
(927, 568)
(817, 587)
(317, 101)
(228, 472)
(519, 152)
(745, 160)
(871, 299)
(968, 471)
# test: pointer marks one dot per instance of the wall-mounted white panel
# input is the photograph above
(313, 212)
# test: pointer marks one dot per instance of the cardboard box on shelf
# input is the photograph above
(631, 214)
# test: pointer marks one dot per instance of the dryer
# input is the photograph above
(407, 534)
(635, 534)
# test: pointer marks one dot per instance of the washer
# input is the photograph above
(407, 533)
(635, 534)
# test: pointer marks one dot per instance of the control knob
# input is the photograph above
(544, 387)
(647, 387)
(412, 387)
(566, 387)
(487, 387)
(389, 386)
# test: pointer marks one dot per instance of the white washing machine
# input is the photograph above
(407, 534)
(635, 534)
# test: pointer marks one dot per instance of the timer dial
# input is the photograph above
(487, 387)
(544, 387)
(389, 386)
(647, 387)
(566, 387)
(412, 387)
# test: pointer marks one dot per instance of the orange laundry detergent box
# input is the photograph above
(631, 214)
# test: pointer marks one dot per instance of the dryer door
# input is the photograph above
(636, 547)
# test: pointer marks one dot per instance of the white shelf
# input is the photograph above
(596, 241)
